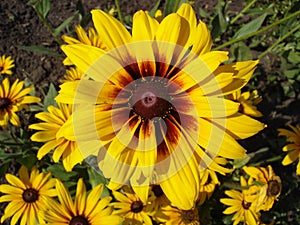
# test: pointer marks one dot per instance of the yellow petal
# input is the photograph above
(290, 157)
(144, 27)
(112, 32)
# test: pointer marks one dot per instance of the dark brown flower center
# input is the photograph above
(246, 205)
(137, 206)
(158, 192)
(150, 100)
(4, 103)
(189, 216)
(273, 188)
(79, 220)
(30, 195)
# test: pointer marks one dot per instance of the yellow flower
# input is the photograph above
(154, 102)
(159, 199)
(72, 74)
(6, 64)
(171, 215)
(131, 208)
(13, 99)
(268, 188)
(242, 206)
(50, 133)
(84, 210)
(293, 148)
(158, 15)
(248, 101)
(26, 196)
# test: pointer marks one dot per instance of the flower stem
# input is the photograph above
(258, 32)
(242, 12)
(50, 29)
(273, 159)
(278, 41)
(119, 11)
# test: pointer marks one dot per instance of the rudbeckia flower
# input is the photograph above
(155, 105)
(49, 133)
(84, 210)
(25, 195)
(242, 205)
(72, 74)
(170, 215)
(248, 101)
(293, 148)
(130, 207)
(159, 199)
(6, 64)
(268, 188)
(13, 98)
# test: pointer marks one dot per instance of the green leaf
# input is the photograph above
(10, 155)
(64, 24)
(4, 167)
(40, 50)
(250, 27)
(241, 51)
(95, 178)
(59, 171)
(43, 7)
(50, 97)
(154, 9)
(171, 6)
(238, 163)
(219, 24)
(28, 160)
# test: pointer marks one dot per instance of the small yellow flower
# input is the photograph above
(267, 185)
(85, 210)
(131, 208)
(49, 132)
(248, 101)
(26, 196)
(158, 15)
(13, 98)
(6, 64)
(293, 148)
(159, 199)
(208, 182)
(241, 205)
(72, 74)
(170, 215)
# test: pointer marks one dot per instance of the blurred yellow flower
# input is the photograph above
(84, 210)
(13, 98)
(170, 215)
(248, 101)
(72, 74)
(293, 148)
(26, 196)
(267, 185)
(155, 102)
(49, 133)
(158, 199)
(6, 64)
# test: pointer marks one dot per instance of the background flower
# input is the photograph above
(6, 64)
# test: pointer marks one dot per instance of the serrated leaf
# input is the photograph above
(50, 97)
(43, 7)
(40, 50)
(250, 27)
(64, 24)
(154, 9)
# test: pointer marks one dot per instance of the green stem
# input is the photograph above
(274, 159)
(278, 41)
(119, 11)
(258, 32)
(176, 6)
(242, 12)
(50, 29)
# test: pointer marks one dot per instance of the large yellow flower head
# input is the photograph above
(13, 98)
(84, 210)
(6, 64)
(49, 132)
(26, 196)
(293, 147)
(153, 109)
